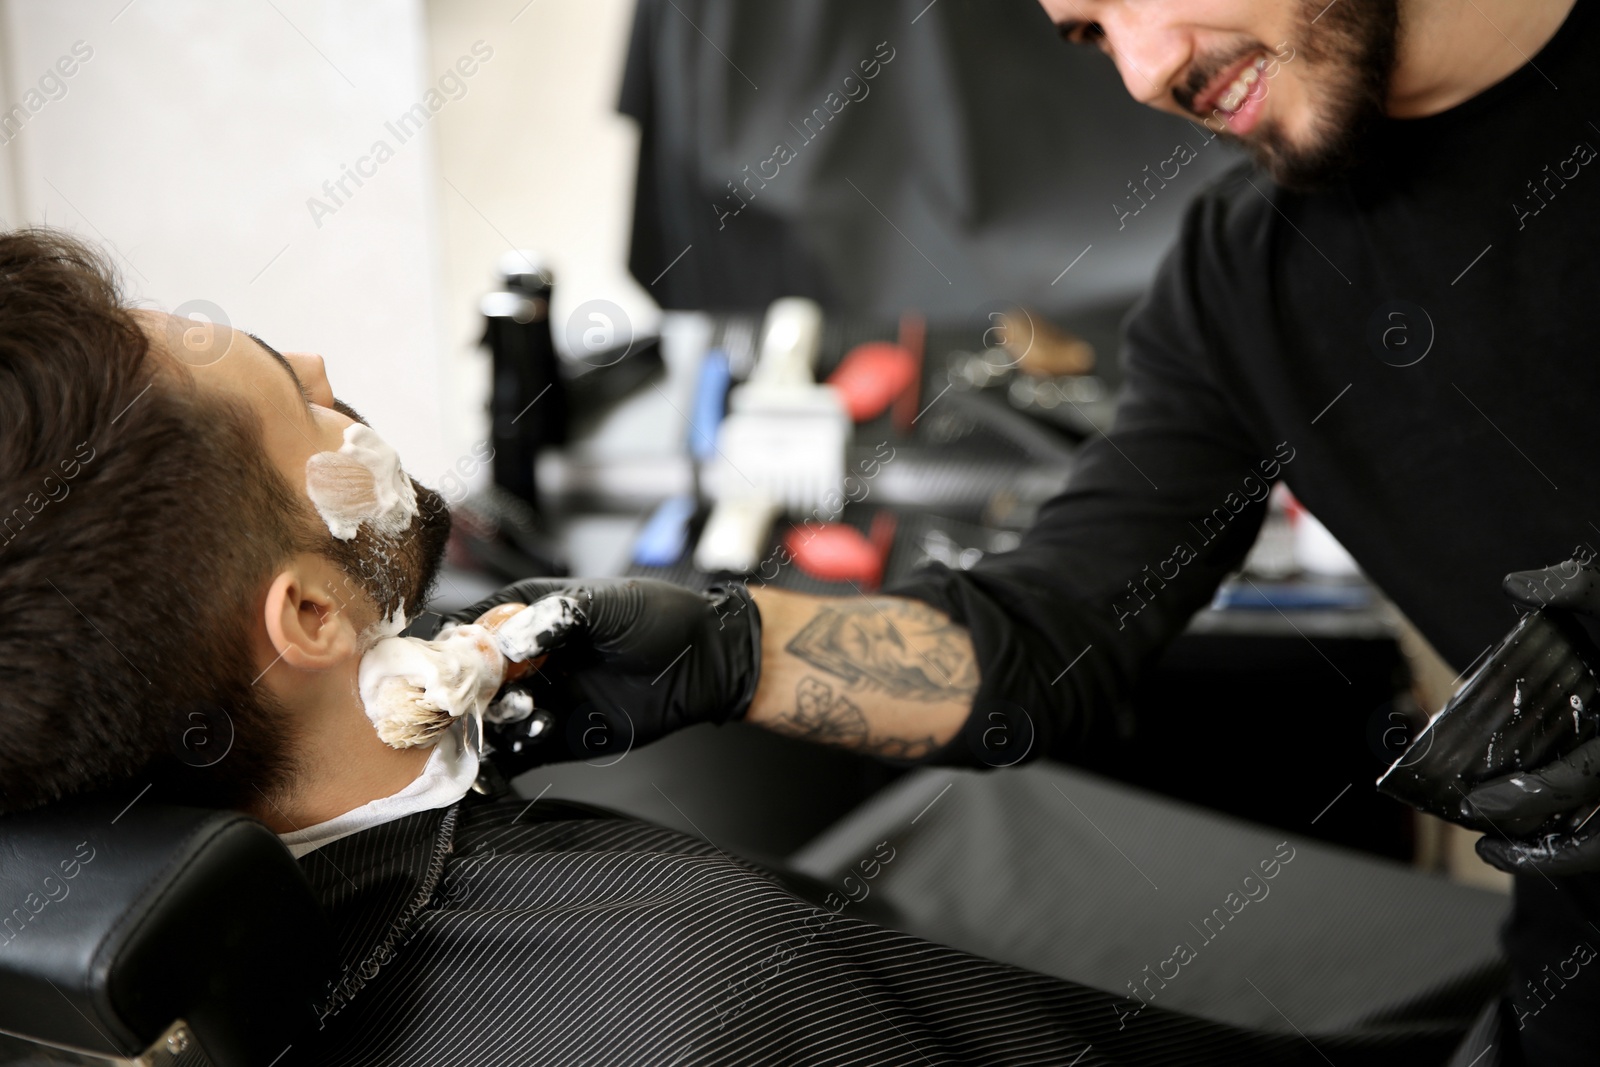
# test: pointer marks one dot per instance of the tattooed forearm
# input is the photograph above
(887, 677)
(821, 715)
(901, 647)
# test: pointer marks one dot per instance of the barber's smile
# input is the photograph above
(1237, 93)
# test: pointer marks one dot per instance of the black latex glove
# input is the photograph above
(1569, 786)
(641, 659)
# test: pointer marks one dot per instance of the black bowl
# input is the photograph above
(1528, 701)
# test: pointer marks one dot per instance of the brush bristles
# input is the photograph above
(418, 725)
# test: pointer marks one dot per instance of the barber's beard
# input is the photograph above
(1350, 52)
(1348, 49)
(396, 573)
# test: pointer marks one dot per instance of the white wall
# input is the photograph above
(190, 142)
(535, 156)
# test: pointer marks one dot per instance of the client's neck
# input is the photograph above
(341, 764)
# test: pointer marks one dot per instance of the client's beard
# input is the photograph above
(228, 745)
(397, 572)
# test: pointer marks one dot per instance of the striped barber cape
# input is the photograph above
(501, 932)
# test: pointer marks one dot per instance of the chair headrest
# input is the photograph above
(117, 919)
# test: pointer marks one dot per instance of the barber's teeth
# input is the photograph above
(1239, 91)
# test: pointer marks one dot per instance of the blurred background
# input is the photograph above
(198, 143)
(539, 244)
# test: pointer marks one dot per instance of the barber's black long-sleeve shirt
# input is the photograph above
(1412, 351)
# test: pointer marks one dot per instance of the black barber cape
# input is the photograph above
(507, 932)
(1413, 351)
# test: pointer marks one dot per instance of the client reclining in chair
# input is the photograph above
(198, 547)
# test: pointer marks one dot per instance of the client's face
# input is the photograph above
(300, 418)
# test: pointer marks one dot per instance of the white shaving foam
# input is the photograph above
(414, 690)
(391, 625)
(361, 483)
(538, 628)
(513, 707)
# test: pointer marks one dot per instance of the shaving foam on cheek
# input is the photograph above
(391, 625)
(361, 483)
(414, 690)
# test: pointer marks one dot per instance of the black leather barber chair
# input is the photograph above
(142, 933)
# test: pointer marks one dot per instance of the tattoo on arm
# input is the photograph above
(821, 715)
(902, 647)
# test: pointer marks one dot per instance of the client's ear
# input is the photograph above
(306, 617)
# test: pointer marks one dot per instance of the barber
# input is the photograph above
(1390, 310)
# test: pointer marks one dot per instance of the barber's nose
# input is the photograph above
(1149, 54)
(313, 373)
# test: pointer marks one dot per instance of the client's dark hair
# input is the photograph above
(138, 524)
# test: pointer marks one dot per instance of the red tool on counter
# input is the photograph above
(835, 552)
(874, 375)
